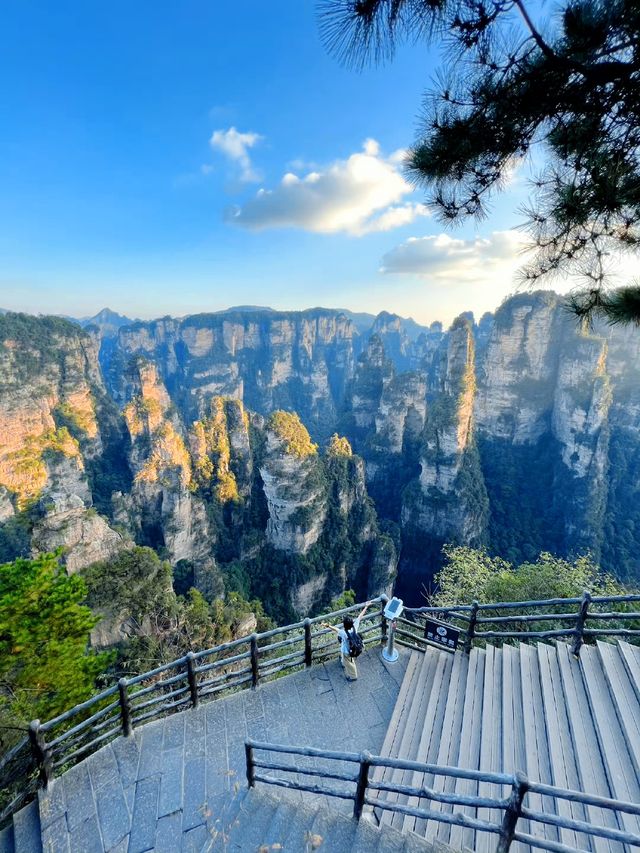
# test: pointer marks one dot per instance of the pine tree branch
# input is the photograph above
(544, 47)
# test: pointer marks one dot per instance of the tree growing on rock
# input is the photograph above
(46, 665)
(569, 88)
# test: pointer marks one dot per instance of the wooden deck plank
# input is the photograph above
(624, 697)
(399, 715)
(553, 709)
(591, 771)
(410, 751)
(450, 731)
(460, 737)
(453, 664)
(613, 747)
(511, 714)
(488, 758)
(519, 754)
(631, 659)
(461, 837)
(537, 761)
(571, 767)
(431, 732)
(408, 734)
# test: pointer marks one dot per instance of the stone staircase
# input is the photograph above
(535, 708)
(23, 834)
(261, 820)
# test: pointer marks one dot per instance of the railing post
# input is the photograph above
(191, 677)
(582, 618)
(307, 642)
(471, 630)
(251, 768)
(41, 752)
(255, 673)
(512, 813)
(383, 621)
(363, 781)
(125, 707)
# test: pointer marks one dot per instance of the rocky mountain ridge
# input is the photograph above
(518, 433)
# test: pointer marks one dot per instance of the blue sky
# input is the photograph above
(178, 157)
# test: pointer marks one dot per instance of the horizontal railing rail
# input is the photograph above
(594, 617)
(357, 784)
(18, 778)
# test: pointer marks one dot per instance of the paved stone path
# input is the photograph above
(164, 788)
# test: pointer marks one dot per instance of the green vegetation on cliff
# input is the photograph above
(45, 665)
(339, 446)
(470, 574)
(288, 427)
(136, 587)
(34, 344)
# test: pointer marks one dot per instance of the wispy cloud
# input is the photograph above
(445, 258)
(359, 195)
(235, 146)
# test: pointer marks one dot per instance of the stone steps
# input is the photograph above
(264, 820)
(23, 834)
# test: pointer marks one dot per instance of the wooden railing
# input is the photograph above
(610, 616)
(357, 785)
(55, 745)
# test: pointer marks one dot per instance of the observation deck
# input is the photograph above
(432, 749)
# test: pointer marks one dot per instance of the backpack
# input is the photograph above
(355, 643)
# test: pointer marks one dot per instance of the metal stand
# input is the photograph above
(389, 653)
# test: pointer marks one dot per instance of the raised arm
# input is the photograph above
(330, 627)
(363, 611)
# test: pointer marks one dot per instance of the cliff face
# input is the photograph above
(268, 360)
(162, 509)
(448, 503)
(519, 433)
(515, 379)
(543, 417)
(294, 485)
(50, 441)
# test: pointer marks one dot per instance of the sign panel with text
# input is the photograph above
(441, 634)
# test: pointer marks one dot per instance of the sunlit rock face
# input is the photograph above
(49, 379)
(52, 401)
(162, 508)
(519, 432)
(447, 503)
(269, 360)
(84, 536)
(294, 485)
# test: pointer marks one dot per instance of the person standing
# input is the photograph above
(351, 644)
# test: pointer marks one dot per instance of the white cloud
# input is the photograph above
(444, 258)
(235, 146)
(361, 194)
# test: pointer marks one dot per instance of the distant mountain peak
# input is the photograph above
(106, 320)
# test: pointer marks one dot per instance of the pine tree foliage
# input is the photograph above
(46, 665)
(567, 87)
